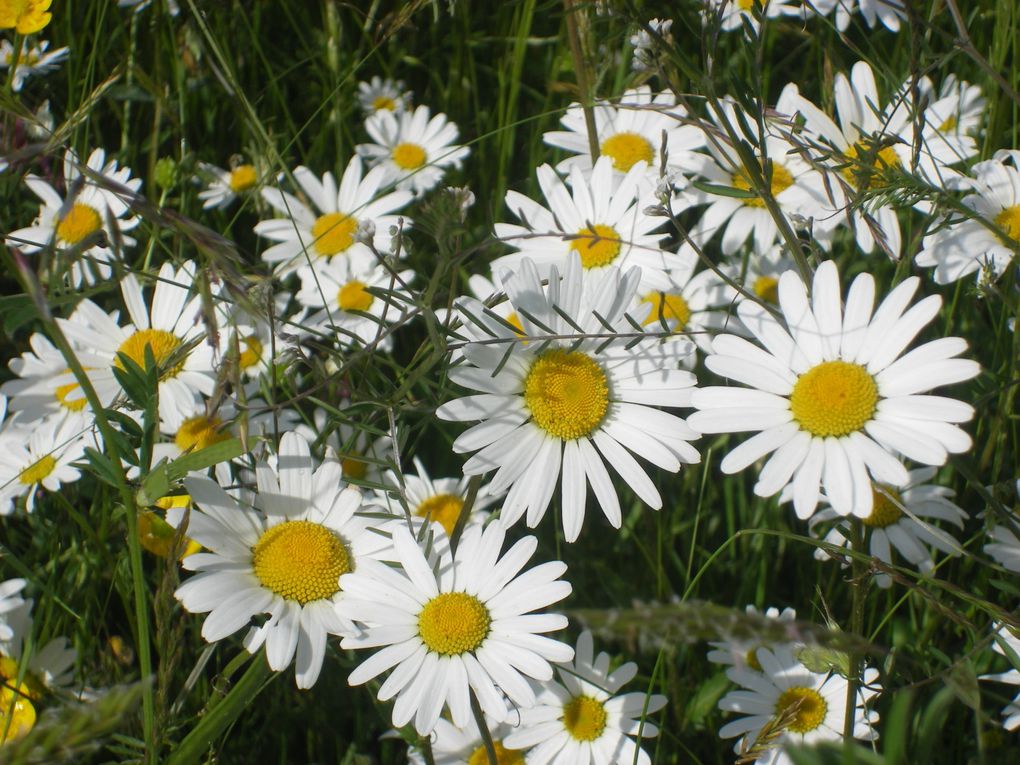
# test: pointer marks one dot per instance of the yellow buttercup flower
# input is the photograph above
(24, 16)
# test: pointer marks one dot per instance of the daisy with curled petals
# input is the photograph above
(1005, 637)
(583, 720)
(987, 241)
(329, 227)
(464, 746)
(900, 519)
(600, 219)
(413, 148)
(387, 94)
(565, 404)
(802, 706)
(170, 324)
(284, 557)
(450, 625)
(225, 185)
(37, 59)
(743, 652)
(832, 396)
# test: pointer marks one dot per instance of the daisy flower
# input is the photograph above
(761, 273)
(329, 227)
(363, 452)
(802, 706)
(600, 219)
(567, 403)
(743, 652)
(413, 149)
(1011, 712)
(831, 395)
(389, 95)
(583, 719)
(225, 185)
(34, 60)
(456, 622)
(10, 601)
(987, 241)
(734, 14)
(888, 12)
(284, 557)
(899, 519)
(49, 667)
(464, 746)
(90, 220)
(25, 17)
(1005, 545)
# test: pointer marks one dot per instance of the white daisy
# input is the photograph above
(1005, 544)
(742, 652)
(761, 273)
(283, 558)
(10, 601)
(899, 518)
(1011, 712)
(413, 149)
(832, 396)
(888, 12)
(225, 185)
(34, 59)
(583, 719)
(456, 622)
(363, 451)
(49, 667)
(734, 14)
(583, 396)
(464, 746)
(329, 227)
(389, 95)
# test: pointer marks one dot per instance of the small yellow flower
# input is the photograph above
(24, 16)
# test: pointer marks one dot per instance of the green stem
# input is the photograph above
(859, 568)
(490, 748)
(581, 71)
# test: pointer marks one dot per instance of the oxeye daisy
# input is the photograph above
(364, 451)
(284, 557)
(332, 225)
(831, 394)
(760, 273)
(583, 719)
(564, 404)
(413, 148)
(449, 625)
(389, 95)
(226, 185)
(464, 746)
(1005, 636)
(10, 601)
(743, 652)
(888, 12)
(25, 16)
(734, 14)
(34, 59)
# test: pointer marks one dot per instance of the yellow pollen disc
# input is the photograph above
(199, 432)
(834, 398)
(443, 509)
(242, 178)
(884, 511)
(781, 181)
(584, 718)
(504, 756)
(805, 706)
(752, 660)
(354, 297)
(515, 321)
(669, 308)
(157, 536)
(63, 393)
(37, 471)
(300, 560)
(15, 707)
(333, 233)
(408, 156)
(745, 5)
(1009, 221)
(80, 221)
(354, 468)
(567, 393)
(597, 246)
(453, 623)
(252, 353)
(626, 150)
(860, 153)
(949, 124)
(384, 102)
(162, 343)
(767, 288)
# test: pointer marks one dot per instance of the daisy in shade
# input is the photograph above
(226, 185)
(379, 94)
(329, 227)
(10, 601)
(450, 624)
(170, 324)
(901, 519)
(831, 395)
(986, 241)
(1005, 544)
(34, 60)
(464, 746)
(363, 450)
(1005, 637)
(583, 719)
(284, 557)
(601, 220)
(786, 703)
(743, 652)
(761, 273)
(566, 404)
(89, 222)
(735, 14)
(887, 12)
(414, 149)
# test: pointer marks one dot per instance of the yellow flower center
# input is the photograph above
(408, 156)
(567, 393)
(25, 17)
(746, 5)
(884, 509)
(626, 150)
(252, 353)
(242, 178)
(300, 560)
(199, 432)
(666, 307)
(453, 623)
(1009, 221)
(597, 246)
(950, 124)
(37, 471)
(354, 297)
(443, 509)
(515, 321)
(781, 181)
(752, 660)
(333, 233)
(504, 756)
(63, 393)
(15, 706)
(354, 468)
(157, 536)
(858, 173)
(80, 221)
(804, 706)
(163, 345)
(584, 718)
(767, 288)
(834, 398)
(384, 102)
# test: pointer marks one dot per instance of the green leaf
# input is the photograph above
(16, 310)
(104, 468)
(962, 680)
(932, 722)
(704, 699)
(724, 191)
(205, 458)
(155, 485)
(845, 753)
(895, 727)
(819, 659)
(134, 380)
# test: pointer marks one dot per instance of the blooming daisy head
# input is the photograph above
(833, 397)
(583, 718)
(579, 398)
(1007, 640)
(44, 386)
(364, 451)
(451, 624)
(386, 95)
(742, 652)
(734, 14)
(33, 60)
(225, 186)
(464, 746)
